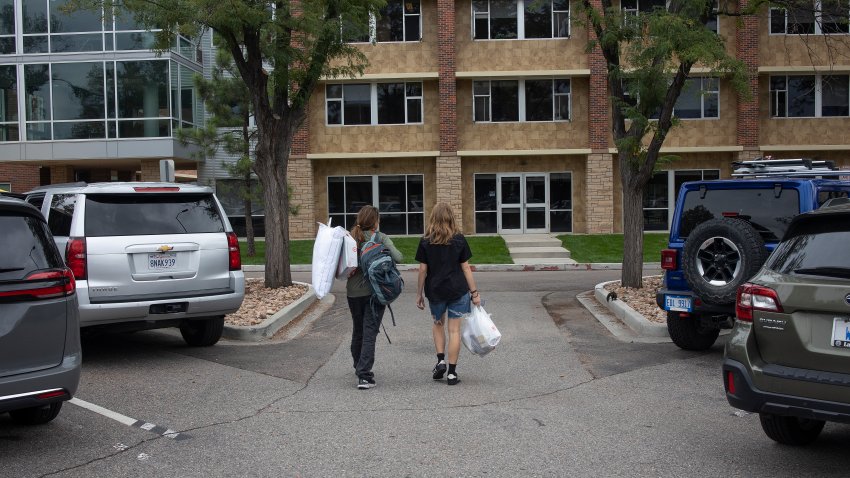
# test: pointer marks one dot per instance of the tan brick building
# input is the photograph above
(497, 107)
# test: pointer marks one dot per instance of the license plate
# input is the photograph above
(162, 261)
(841, 332)
(678, 303)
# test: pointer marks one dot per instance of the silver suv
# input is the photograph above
(147, 255)
(39, 333)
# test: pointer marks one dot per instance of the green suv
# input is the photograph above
(788, 356)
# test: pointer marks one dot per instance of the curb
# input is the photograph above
(267, 328)
(629, 316)
(596, 266)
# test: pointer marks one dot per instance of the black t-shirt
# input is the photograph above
(445, 280)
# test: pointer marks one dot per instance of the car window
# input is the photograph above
(141, 214)
(817, 244)
(770, 215)
(27, 247)
(36, 200)
(60, 214)
(824, 196)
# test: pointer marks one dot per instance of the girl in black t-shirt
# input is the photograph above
(447, 282)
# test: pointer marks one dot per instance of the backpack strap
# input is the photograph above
(372, 305)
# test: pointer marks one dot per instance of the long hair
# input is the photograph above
(442, 226)
(367, 220)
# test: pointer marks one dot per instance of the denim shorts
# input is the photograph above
(455, 309)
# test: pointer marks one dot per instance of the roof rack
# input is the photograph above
(800, 167)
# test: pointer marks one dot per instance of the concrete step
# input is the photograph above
(544, 261)
(533, 252)
(531, 240)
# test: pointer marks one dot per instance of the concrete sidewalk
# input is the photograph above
(596, 266)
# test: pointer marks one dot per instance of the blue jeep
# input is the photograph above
(722, 232)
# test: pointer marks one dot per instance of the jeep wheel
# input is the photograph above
(720, 255)
(688, 333)
(202, 333)
(36, 415)
(790, 430)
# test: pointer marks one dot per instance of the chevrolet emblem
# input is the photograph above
(164, 248)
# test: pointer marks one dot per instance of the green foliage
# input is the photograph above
(609, 247)
(485, 250)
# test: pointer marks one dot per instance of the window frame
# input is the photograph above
(373, 103)
(375, 185)
(373, 27)
(703, 92)
(818, 93)
(818, 13)
(521, 99)
(520, 22)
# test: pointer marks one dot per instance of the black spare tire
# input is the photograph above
(720, 255)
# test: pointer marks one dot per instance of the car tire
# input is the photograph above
(688, 333)
(720, 255)
(36, 415)
(202, 333)
(790, 430)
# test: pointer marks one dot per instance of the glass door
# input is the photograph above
(534, 206)
(510, 204)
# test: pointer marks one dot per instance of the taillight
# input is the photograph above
(669, 259)
(75, 256)
(233, 248)
(60, 284)
(730, 382)
(52, 394)
(755, 297)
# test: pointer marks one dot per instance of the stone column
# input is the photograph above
(150, 170)
(599, 193)
(300, 179)
(449, 185)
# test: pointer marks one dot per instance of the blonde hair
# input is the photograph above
(442, 226)
(367, 220)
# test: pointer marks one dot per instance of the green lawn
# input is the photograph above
(609, 247)
(485, 250)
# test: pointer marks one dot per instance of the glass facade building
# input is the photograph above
(88, 80)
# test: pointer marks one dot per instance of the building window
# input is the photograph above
(9, 128)
(399, 20)
(809, 96)
(634, 7)
(662, 192)
(818, 17)
(520, 19)
(400, 201)
(521, 100)
(6, 187)
(97, 100)
(373, 103)
(7, 27)
(700, 99)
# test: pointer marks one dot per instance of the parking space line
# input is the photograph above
(130, 422)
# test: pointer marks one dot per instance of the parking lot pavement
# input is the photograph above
(556, 398)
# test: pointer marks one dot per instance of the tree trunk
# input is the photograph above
(249, 220)
(632, 274)
(272, 156)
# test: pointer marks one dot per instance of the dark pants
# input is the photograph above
(366, 315)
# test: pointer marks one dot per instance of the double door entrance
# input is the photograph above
(522, 203)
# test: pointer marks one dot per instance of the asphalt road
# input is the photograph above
(559, 397)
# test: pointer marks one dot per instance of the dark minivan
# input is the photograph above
(39, 327)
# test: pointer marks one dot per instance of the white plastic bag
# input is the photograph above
(326, 251)
(478, 333)
(347, 257)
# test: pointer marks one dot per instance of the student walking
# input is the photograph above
(447, 282)
(366, 311)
